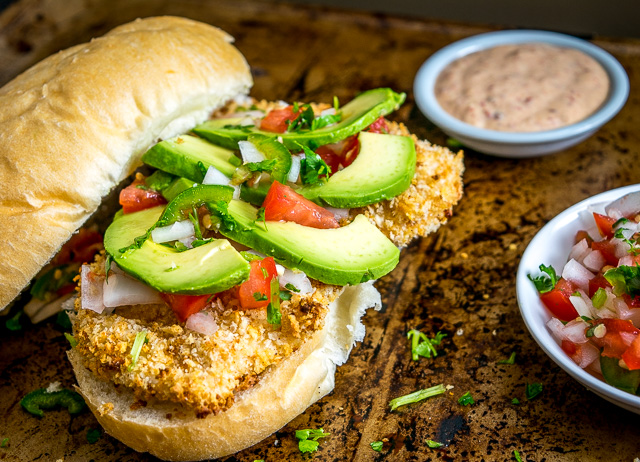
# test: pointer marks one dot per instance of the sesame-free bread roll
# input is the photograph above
(76, 124)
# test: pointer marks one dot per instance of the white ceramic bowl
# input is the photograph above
(551, 246)
(517, 144)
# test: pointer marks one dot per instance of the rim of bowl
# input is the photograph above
(425, 80)
(531, 307)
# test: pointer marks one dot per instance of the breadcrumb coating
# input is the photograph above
(180, 365)
(427, 204)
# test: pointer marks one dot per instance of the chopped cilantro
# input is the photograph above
(140, 340)
(291, 287)
(260, 297)
(323, 121)
(4, 443)
(619, 234)
(284, 295)
(93, 435)
(107, 266)
(532, 390)
(421, 345)
(599, 298)
(193, 216)
(453, 143)
(515, 401)
(516, 454)
(14, 322)
(312, 167)
(266, 165)
(221, 210)
(72, 340)
(433, 444)
(376, 446)
(260, 217)
(308, 439)
(303, 120)
(545, 282)
(624, 279)
(466, 399)
(510, 360)
(416, 396)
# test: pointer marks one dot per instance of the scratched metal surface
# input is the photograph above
(460, 281)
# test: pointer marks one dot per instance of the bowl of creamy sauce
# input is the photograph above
(521, 93)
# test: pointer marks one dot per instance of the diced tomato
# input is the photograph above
(379, 126)
(255, 292)
(557, 300)
(283, 203)
(276, 120)
(580, 235)
(80, 248)
(631, 356)
(596, 283)
(350, 151)
(608, 251)
(613, 343)
(331, 158)
(569, 347)
(632, 302)
(134, 198)
(604, 224)
(185, 305)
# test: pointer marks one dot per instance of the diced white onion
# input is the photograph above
(280, 269)
(627, 260)
(293, 174)
(579, 251)
(202, 323)
(175, 232)
(594, 261)
(215, 176)
(92, 288)
(51, 308)
(249, 152)
(329, 111)
(575, 331)
(236, 192)
(625, 206)
(120, 289)
(338, 213)
(187, 241)
(577, 274)
(588, 354)
(581, 305)
(627, 337)
(299, 280)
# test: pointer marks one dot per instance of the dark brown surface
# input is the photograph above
(460, 281)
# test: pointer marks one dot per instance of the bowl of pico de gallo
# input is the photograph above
(578, 289)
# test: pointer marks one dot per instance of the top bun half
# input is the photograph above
(76, 124)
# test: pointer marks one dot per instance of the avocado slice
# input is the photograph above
(358, 114)
(189, 157)
(383, 169)
(352, 254)
(207, 269)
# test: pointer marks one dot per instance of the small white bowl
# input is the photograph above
(551, 246)
(517, 144)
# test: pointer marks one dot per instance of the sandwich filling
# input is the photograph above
(202, 357)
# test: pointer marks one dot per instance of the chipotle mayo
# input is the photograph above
(522, 88)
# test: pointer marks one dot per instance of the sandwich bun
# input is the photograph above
(76, 124)
(172, 432)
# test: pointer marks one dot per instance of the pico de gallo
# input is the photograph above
(595, 298)
(258, 168)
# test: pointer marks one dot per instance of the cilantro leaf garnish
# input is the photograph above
(510, 360)
(312, 167)
(284, 295)
(515, 401)
(545, 283)
(303, 120)
(516, 454)
(72, 340)
(376, 446)
(532, 390)
(221, 210)
(4, 443)
(308, 439)
(260, 297)
(260, 217)
(274, 315)
(323, 121)
(291, 287)
(466, 399)
(421, 345)
(433, 444)
(416, 396)
(93, 435)
(624, 279)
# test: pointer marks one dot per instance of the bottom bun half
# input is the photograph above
(284, 391)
